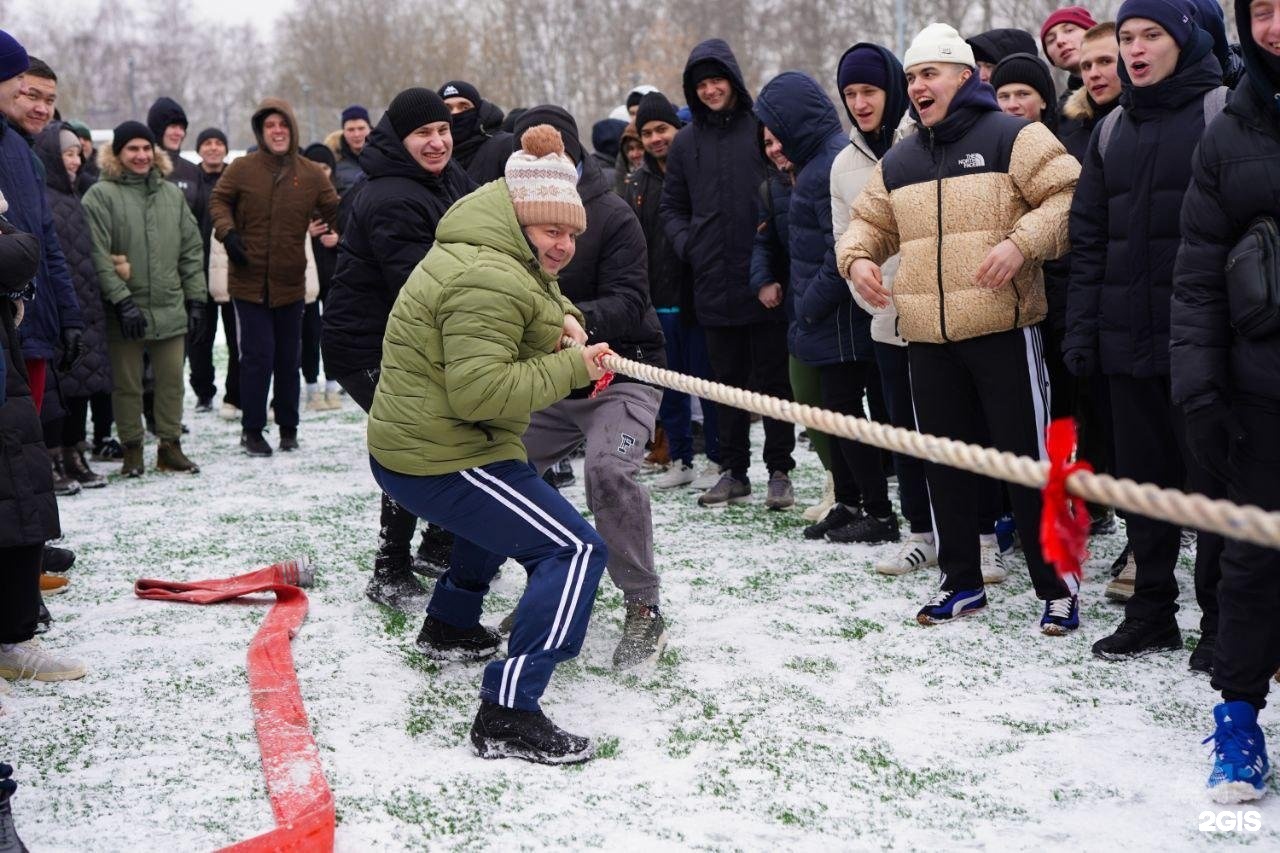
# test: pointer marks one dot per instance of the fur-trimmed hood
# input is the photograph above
(113, 169)
(1078, 106)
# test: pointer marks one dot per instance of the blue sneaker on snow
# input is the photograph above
(1240, 765)
(1061, 616)
(949, 605)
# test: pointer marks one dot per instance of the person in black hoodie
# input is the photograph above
(709, 203)
(480, 148)
(1124, 237)
(324, 256)
(211, 145)
(1227, 382)
(168, 123)
(411, 180)
(994, 45)
(608, 282)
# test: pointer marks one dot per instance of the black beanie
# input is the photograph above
(211, 133)
(1029, 70)
(413, 108)
(655, 107)
(128, 131)
(561, 120)
(460, 89)
(704, 68)
(318, 152)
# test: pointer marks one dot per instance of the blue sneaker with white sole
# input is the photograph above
(1240, 765)
(1061, 616)
(951, 604)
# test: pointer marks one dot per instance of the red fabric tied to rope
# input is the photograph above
(300, 795)
(1064, 519)
(601, 384)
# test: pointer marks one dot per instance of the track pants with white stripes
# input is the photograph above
(500, 510)
(992, 387)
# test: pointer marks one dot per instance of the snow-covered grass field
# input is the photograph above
(799, 705)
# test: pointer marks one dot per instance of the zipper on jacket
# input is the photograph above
(1017, 301)
(942, 296)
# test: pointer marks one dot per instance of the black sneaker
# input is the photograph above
(1102, 521)
(560, 475)
(204, 404)
(442, 641)
(394, 585)
(107, 450)
(9, 840)
(1135, 638)
(254, 444)
(500, 732)
(57, 560)
(434, 551)
(44, 620)
(866, 528)
(288, 439)
(838, 516)
(1202, 655)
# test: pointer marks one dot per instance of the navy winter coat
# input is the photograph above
(92, 373)
(392, 221)
(1124, 220)
(828, 326)
(770, 256)
(709, 198)
(54, 305)
(1236, 178)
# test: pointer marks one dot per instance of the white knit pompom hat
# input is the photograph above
(938, 43)
(543, 182)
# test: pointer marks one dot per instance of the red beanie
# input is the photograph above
(1077, 15)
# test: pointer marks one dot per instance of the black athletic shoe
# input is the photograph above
(434, 551)
(9, 840)
(1135, 638)
(288, 439)
(107, 450)
(442, 641)
(866, 528)
(394, 585)
(254, 444)
(57, 560)
(500, 732)
(1202, 656)
(44, 621)
(559, 475)
(838, 516)
(204, 404)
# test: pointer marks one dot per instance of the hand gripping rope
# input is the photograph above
(1246, 523)
(300, 796)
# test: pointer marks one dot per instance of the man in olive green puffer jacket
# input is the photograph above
(150, 261)
(473, 347)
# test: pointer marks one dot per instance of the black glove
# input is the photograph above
(1212, 430)
(72, 348)
(235, 249)
(1081, 362)
(195, 316)
(132, 324)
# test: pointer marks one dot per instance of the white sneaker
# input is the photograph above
(709, 476)
(333, 401)
(915, 553)
(819, 511)
(29, 660)
(229, 412)
(994, 569)
(678, 474)
(316, 402)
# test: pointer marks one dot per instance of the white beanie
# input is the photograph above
(543, 182)
(939, 43)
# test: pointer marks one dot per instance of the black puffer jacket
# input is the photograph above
(92, 374)
(710, 201)
(392, 224)
(608, 278)
(1124, 220)
(669, 278)
(1236, 178)
(480, 151)
(28, 509)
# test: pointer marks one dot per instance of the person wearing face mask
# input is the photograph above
(1124, 237)
(481, 151)
(411, 180)
(1226, 379)
(974, 203)
(473, 348)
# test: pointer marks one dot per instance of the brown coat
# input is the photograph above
(269, 200)
(1028, 204)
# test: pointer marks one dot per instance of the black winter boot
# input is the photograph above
(9, 840)
(434, 551)
(288, 439)
(254, 444)
(394, 585)
(500, 732)
(442, 641)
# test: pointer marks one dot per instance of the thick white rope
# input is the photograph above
(1246, 523)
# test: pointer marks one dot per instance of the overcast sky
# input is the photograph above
(261, 13)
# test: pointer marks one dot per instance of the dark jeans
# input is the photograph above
(270, 342)
(855, 466)
(687, 354)
(20, 592)
(73, 430)
(1247, 652)
(312, 325)
(200, 352)
(895, 379)
(755, 358)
